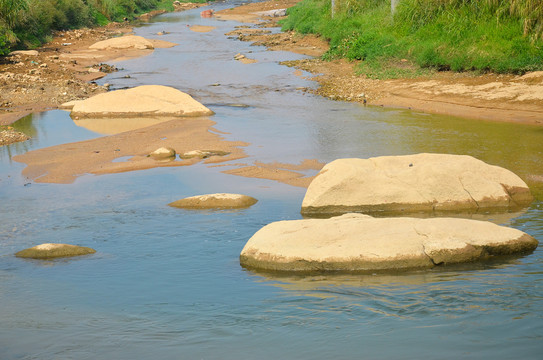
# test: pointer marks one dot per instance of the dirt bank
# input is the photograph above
(490, 97)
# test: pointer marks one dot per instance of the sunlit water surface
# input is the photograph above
(166, 283)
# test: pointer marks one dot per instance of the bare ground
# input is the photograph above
(493, 97)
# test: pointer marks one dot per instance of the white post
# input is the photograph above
(333, 8)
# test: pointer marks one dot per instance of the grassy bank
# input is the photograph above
(29, 23)
(502, 36)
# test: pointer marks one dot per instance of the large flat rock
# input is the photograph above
(123, 42)
(147, 100)
(356, 242)
(411, 183)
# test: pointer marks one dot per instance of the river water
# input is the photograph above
(166, 283)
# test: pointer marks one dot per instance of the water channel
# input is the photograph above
(166, 283)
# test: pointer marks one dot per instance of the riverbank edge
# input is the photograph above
(490, 97)
(21, 73)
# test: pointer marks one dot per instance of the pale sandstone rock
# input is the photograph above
(422, 182)
(123, 42)
(203, 154)
(147, 100)
(221, 201)
(356, 242)
(47, 251)
(25, 52)
(68, 105)
(163, 153)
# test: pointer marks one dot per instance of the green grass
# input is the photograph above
(502, 36)
(29, 23)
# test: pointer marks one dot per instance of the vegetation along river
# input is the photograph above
(166, 283)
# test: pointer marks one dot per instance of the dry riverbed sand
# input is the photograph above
(63, 69)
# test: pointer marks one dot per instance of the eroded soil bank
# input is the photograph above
(492, 97)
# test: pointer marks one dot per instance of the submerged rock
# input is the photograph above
(422, 182)
(146, 100)
(203, 154)
(48, 251)
(356, 242)
(217, 201)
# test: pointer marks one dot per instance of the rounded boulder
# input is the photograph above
(146, 100)
(163, 153)
(413, 183)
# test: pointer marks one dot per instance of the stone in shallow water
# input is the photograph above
(411, 183)
(215, 201)
(203, 154)
(356, 242)
(48, 251)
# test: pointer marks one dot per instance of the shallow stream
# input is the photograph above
(166, 283)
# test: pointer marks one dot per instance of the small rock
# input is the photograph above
(203, 154)
(215, 201)
(163, 153)
(49, 251)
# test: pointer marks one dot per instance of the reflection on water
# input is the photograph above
(166, 283)
(111, 126)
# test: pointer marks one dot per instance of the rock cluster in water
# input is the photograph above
(395, 184)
